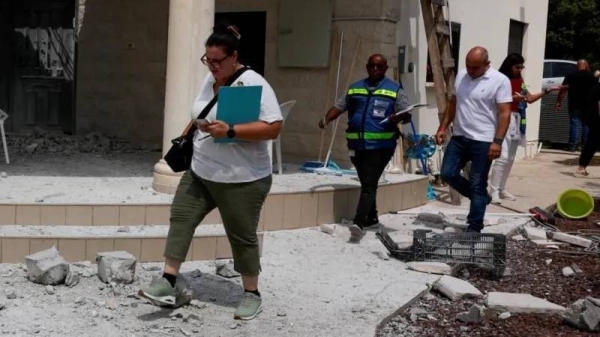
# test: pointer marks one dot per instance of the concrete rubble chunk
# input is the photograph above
(521, 303)
(417, 314)
(118, 267)
(568, 272)
(548, 243)
(328, 229)
(572, 239)
(226, 270)
(47, 267)
(455, 288)
(576, 269)
(584, 314)
(72, 279)
(11, 295)
(471, 316)
(430, 267)
(533, 233)
(436, 218)
(518, 238)
(504, 315)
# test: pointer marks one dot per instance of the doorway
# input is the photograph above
(253, 28)
(37, 66)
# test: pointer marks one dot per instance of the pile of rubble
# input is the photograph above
(39, 141)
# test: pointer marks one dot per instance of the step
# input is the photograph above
(82, 243)
(300, 208)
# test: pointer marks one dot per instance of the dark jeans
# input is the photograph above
(575, 121)
(369, 165)
(590, 147)
(458, 153)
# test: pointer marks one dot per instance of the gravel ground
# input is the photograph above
(530, 273)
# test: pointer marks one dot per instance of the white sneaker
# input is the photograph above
(507, 196)
(495, 198)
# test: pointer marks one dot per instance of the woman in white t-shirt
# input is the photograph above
(234, 177)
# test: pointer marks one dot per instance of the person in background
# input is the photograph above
(592, 143)
(512, 67)
(371, 145)
(579, 85)
(233, 177)
(480, 111)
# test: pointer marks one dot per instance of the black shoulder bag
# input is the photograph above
(179, 157)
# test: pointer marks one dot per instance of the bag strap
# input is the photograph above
(213, 101)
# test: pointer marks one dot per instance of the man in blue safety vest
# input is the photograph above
(371, 144)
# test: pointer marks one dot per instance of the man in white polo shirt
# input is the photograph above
(480, 111)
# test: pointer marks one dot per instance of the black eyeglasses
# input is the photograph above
(213, 62)
(376, 65)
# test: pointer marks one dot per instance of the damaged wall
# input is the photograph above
(122, 56)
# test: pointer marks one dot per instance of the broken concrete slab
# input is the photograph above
(437, 268)
(507, 229)
(47, 267)
(521, 303)
(534, 233)
(471, 316)
(584, 314)
(549, 243)
(572, 239)
(118, 267)
(455, 288)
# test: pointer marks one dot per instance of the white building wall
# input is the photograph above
(485, 23)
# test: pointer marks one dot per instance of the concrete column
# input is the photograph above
(190, 24)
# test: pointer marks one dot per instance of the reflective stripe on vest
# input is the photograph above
(370, 135)
(357, 91)
(523, 121)
(386, 93)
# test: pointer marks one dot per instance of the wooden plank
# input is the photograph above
(442, 29)
(443, 77)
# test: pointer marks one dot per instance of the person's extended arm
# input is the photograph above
(531, 98)
(448, 118)
(334, 112)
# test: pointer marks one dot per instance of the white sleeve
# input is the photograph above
(269, 106)
(504, 93)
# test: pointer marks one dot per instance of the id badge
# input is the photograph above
(379, 108)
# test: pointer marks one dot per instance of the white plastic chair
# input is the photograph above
(286, 108)
(3, 117)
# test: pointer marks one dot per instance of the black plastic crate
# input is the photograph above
(486, 250)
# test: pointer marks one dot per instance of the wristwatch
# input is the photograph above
(231, 132)
(498, 141)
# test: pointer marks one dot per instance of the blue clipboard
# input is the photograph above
(238, 105)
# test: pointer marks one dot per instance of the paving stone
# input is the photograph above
(521, 303)
(455, 288)
(47, 267)
(430, 267)
(116, 267)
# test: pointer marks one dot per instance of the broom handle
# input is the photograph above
(328, 96)
(347, 84)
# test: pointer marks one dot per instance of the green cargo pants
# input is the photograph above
(239, 204)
